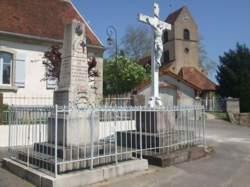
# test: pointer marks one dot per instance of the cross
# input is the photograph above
(158, 27)
(143, 18)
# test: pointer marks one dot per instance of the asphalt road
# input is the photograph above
(228, 167)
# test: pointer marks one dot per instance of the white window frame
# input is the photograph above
(11, 86)
(11, 69)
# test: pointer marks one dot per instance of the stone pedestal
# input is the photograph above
(138, 100)
(154, 122)
(73, 129)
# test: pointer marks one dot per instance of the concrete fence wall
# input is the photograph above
(106, 128)
(19, 134)
(4, 135)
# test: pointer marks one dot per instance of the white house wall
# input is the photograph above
(186, 93)
(169, 95)
(34, 73)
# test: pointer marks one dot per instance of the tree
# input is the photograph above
(136, 42)
(121, 76)
(207, 64)
(52, 63)
(233, 75)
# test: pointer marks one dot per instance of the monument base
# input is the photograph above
(77, 178)
(154, 141)
(42, 155)
(180, 156)
(73, 129)
(154, 121)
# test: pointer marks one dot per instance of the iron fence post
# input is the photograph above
(28, 152)
(116, 157)
(56, 126)
(204, 126)
(92, 119)
(141, 133)
(9, 123)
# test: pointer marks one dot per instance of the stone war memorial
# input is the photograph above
(77, 141)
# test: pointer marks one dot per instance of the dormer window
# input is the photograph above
(186, 34)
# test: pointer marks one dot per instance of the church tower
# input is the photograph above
(181, 43)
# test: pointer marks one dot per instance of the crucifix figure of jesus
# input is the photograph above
(158, 27)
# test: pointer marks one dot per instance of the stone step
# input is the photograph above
(151, 140)
(74, 152)
(46, 161)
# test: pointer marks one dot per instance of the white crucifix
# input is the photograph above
(158, 27)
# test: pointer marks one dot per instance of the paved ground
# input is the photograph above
(8, 179)
(228, 167)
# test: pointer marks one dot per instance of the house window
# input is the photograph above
(166, 57)
(186, 34)
(6, 61)
(165, 37)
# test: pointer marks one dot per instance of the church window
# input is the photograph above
(165, 37)
(186, 34)
(6, 60)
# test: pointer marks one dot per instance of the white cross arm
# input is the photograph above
(143, 18)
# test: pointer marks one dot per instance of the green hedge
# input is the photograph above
(3, 108)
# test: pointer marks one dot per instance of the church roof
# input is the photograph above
(197, 78)
(174, 15)
(41, 18)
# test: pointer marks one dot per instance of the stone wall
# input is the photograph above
(243, 119)
(233, 105)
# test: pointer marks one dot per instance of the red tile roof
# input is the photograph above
(145, 60)
(165, 71)
(147, 83)
(174, 15)
(40, 18)
(197, 78)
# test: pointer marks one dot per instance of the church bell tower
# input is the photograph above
(181, 43)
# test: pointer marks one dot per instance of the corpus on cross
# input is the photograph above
(158, 27)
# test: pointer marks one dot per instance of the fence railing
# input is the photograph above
(214, 104)
(58, 140)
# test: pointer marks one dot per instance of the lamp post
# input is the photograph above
(111, 31)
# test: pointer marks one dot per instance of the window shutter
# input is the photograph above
(20, 69)
(51, 84)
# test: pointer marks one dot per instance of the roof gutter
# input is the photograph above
(43, 39)
(31, 37)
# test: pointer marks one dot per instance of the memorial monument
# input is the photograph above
(74, 90)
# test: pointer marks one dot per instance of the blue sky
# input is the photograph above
(221, 23)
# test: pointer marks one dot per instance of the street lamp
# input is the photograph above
(111, 31)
